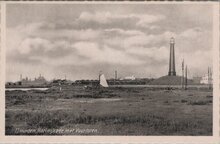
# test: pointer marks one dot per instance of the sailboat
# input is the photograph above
(102, 81)
(101, 85)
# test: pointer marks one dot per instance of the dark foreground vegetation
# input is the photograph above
(112, 111)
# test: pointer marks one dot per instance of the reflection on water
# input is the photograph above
(25, 89)
(97, 100)
(90, 100)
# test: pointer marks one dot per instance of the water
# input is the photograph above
(98, 100)
(25, 89)
(159, 86)
(91, 100)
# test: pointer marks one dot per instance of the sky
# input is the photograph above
(79, 40)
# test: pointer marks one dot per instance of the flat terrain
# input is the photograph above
(113, 111)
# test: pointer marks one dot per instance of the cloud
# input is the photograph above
(104, 55)
(99, 17)
(71, 34)
(34, 43)
(140, 20)
(43, 47)
(134, 44)
(145, 20)
(138, 39)
(192, 33)
(122, 32)
(86, 46)
(44, 30)
(152, 54)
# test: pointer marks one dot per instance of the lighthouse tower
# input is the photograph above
(172, 71)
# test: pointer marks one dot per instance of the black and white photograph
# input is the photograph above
(109, 69)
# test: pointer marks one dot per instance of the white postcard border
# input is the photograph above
(114, 139)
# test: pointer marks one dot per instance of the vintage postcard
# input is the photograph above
(116, 72)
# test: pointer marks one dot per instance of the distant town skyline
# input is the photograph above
(79, 40)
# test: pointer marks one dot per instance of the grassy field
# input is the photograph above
(112, 111)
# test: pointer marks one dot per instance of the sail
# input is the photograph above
(103, 81)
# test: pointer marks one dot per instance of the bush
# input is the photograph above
(52, 120)
(209, 96)
(183, 101)
(44, 120)
(9, 130)
(198, 102)
(166, 101)
(50, 123)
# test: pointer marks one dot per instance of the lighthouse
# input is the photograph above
(172, 71)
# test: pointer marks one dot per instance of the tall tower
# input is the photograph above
(172, 71)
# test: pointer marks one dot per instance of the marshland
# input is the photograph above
(76, 110)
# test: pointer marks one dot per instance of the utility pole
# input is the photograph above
(186, 78)
(182, 78)
(115, 77)
(209, 78)
(20, 77)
